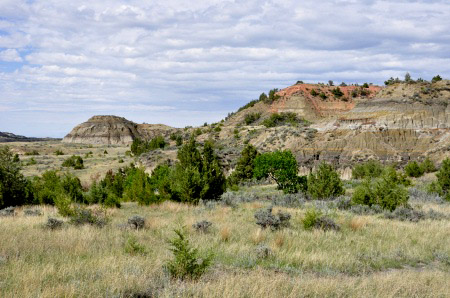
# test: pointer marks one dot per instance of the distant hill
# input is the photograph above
(7, 137)
(113, 130)
(317, 122)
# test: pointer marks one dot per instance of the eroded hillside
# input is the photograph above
(343, 125)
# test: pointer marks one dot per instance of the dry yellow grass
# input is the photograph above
(381, 258)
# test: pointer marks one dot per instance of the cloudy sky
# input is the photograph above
(186, 62)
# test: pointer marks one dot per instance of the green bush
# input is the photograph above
(337, 92)
(140, 146)
(436, 79)
(388, 191)
(310, 218)
(413, 169)
(323, 95)
(74, 161)
(33, 152)
(187, 262)
(59, 152)
(428, 166)
(138, 187)
(283, 119)
(133, 247)
(51, 187)
(245, 165)
(443, 179)
(313, 92)
(251, 117)
(15, 189)
(282, 167)
(325, 183)
(368, 169)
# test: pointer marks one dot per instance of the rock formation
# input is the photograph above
(113, 130)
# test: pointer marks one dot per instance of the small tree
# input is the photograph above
(74, 161)
(407, 77)
(197, 176)
(187, 262)
(282, 167)
(325, 183)
(15, 189)
(138, 188)
(245, 165)
(370, 168)
(436, 79)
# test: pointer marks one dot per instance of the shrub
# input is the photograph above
(15, 189)
(133, 247)
(413, 169)
(322, 95)
(368, 169)
(365, 85)
(283, 119)
(436, 79)
(443, 179)
(53, 223)
(326, 224)
(34, 152)
(311, 217)
(325, 183)
(8, 211)
(251, 117)
(263, 252)
(428, 166)
(282, 167)
(314, 219)
(140, 146)
(138, 187)
(187, 262)
(265, 218)
(137, 222)
(337, 92)
(59, 152)
(32, 212)
(51, 186)
(202, 226)
(74, 161)
(387, 192)
(82, 216)
(313, 92)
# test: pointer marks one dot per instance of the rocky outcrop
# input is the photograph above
(114, 130)
(110, 130)
(392, 124)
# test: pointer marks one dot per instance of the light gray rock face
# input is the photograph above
(109, 130)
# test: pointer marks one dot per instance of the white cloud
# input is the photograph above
(153, 60)
(10, 55)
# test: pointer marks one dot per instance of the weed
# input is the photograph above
(133, 247)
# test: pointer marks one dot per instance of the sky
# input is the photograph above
(188, 62)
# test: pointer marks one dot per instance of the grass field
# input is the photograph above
(97, 161)
(369, 257)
